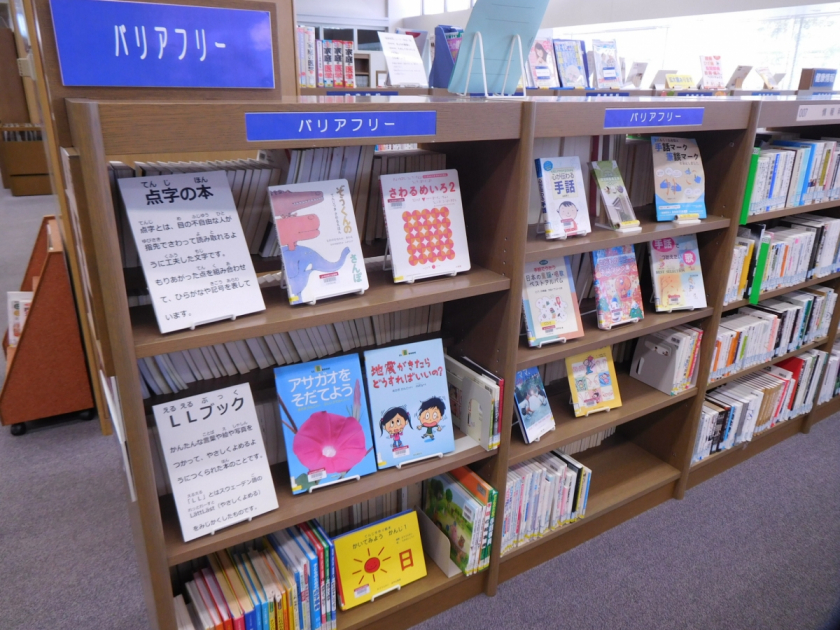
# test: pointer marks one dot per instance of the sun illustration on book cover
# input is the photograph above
(371, 566)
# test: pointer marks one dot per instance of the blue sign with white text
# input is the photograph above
(823, 78)
(262, 126)
(105, 43)
(362, 93)
(653, 117)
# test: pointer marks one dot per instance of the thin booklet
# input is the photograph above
(532, 406)
(549, 302)
(571, 63)
(319, 242)
(564, 208)
(677, 276)
(678, 178)
(592, 381)
(615, 200)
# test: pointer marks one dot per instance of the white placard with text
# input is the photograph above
(405, 66)
(215, 459)
(819, 111)
(194, 254)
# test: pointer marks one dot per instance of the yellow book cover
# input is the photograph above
(592, 381)
(376, 558)
(290, 615)
(742, 284)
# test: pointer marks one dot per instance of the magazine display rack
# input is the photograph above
(491, 144)
(49, 353)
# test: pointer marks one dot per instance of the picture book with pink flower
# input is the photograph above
(409, 402)
(325, 419)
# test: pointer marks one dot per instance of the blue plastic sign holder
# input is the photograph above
(653, 117)
(266, 126)
(103, 43)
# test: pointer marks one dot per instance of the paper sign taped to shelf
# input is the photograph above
(194, 253)
(145, 44)
(653, 117)
(215, 459)
(819, 111)
(263, 126)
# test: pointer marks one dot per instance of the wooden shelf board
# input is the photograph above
(773, 361)
(826, 410)
(637, 400)
(744, 445)
(621, 472)
(293, 509)
(786, 212)
(538, 248)
(383, 296)
(782, 291)
(594, 338)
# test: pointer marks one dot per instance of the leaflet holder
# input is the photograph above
(213, 532)
(633, 320)
(332, 483)
(395, 587)
(551, 430)
(549, 341)
(689, 219)
(210, 321)
(514, 41)
(419, 459)
(629, 230)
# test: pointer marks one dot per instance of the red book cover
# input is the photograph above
(795, 365)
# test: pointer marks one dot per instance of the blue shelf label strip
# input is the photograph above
(265, 126)
(140, 44)
(362, 93)
(653, 117)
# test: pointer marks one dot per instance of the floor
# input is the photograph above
(757, 547)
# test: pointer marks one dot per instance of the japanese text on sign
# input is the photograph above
(653, 117)
(262, 126)
(215, 459)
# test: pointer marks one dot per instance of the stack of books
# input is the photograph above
(324, 63)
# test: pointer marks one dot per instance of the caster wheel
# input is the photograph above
(87, 414)
(18, 429)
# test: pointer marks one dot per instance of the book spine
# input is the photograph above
(349, 66)
(319, 62)
(748, 192)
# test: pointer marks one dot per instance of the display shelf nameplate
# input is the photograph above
(265, 126)
(653, 117)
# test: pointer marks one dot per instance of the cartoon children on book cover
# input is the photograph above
(532, 405)
(325, 419)
(678, 177)
(409, 402)
(616, 281)
(592, 379)
(319, 243)
(563, 199)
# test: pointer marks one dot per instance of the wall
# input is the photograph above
(370, 12)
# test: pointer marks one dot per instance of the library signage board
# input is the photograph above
(215, 459)
(273, 126)
(193, 249)
(653, 117)
(818, 112)
(143, 44)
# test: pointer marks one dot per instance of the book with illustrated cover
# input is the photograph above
(678, 178)
(532, 407)
(459, 515)
(614, 197)
(475, 402)
(378, 557)
(319, 244)
(564, 207)
(541, 64)
(326, 427)
(549, 302)
(18, 305)
(570, 55)
(712, 73)
(607, 71)
(615, 277)
(592, 381)
(676, 273)
(409, 402)
(424, 217)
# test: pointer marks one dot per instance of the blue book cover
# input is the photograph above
(254, 589)
(679, 178)
(326, 425)
(278, 542)
(315, 582)
(409, 402)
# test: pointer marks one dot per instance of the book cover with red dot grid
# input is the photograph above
(425, 221)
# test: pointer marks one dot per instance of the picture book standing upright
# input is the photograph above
(532, 407)
(409, 402)
(615, 277)
(678, 177)
(614, 197)
(549, 302)
(676, 273)
(541, 64)
(325, 419)
(607, 71)
(319, 243)
(592, 381)
(564, 208)
(571, 63)
(425, 221)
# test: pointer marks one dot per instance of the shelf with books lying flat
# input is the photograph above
(637, 400)
(773, 361)
(594, 338)
(777, 292)
(537, 247)
(383, 296)
(295, 509)
(621, 472)
(786, 212)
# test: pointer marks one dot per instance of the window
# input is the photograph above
(368, 39)
(457, 5)
(430, 7)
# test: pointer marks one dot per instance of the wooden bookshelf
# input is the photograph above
(760, 366)
(490, 143)
(786, 212)
(777, 292)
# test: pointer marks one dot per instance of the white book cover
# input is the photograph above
(605, 54)
(712, 73)
(563, 198)
(319, 243)
(18, 304)
(425, 221)
(549, 302)
(192, 247)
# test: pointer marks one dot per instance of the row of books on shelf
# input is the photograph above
(174, 372)
(551, 303)
(772, 328)
(324, 63)
(788, 171)
(543, 494)
(795, 249)
(737, 411)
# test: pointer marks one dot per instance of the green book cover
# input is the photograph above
(763, 250)
(745, 206)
